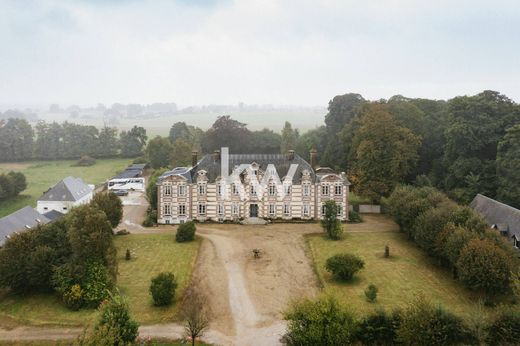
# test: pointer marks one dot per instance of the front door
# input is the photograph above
(253, 210)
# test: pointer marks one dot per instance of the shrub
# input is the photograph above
(97, 284)
(73, 297)
(505, 328)
(321, 322)
(430, 223)
(387, 251)
(163, 288)
(483, 266)
(115, 318)
(344, 266)
(354, 217)
(151, 218)
(425, 324)
(378, 328)
(330, 223)
(86, 161)
(185, 232)
(128, 256)
(371, 293)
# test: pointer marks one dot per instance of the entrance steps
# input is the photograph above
(253, 221)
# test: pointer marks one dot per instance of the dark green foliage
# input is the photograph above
(128, 256)
(163, 288)
(151, 218)
(16, 140)
(321, 322)
(133, 142)
(185, 232)
(73, 297)
(371, 293)
(483, 266)
(158, 152)
(86, 161)
(505, 328)
(151, 188)
(344, 266)
(330, 222)
(430, 223)
(508, 167)
(115, 318)
(11, 184)
(354, 217)
(423, 324)
(378, 328)
(96, 284)
(111, 205)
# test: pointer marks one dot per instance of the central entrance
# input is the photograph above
(253, 210)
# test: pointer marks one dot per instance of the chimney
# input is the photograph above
(314, 158)
(216, 155)
(290, 155)
(194, 160)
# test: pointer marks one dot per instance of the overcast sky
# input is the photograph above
(282, 52)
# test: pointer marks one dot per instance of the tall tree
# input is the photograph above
(180, 154)
(227, 132)
(133, 142)
(158, 152)
(385, 153)
(289, 138)
(16, 140)
(508, 167)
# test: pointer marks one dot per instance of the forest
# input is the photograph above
(463, 146)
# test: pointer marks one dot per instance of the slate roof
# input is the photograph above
(19, 221)
(502, 216)
(69, 189)
(53, 215)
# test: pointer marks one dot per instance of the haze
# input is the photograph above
(258, 52)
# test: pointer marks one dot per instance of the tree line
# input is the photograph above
(20, 141)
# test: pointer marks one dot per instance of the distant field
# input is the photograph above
(152, 254)
(406, 273)
(43, 174)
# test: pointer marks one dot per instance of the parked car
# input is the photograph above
(121, 193)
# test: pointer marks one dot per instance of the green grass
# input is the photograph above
(407, 273)
(43, 174)
(152, 254)
(153, 342)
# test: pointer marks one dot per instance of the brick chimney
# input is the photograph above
(314, 158)
(216, 155)
(290, 155)
(194, 160)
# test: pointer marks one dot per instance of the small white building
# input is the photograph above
(68, 193)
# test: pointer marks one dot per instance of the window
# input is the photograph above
(182, 190)
(286, 210)
(167, 190)
(167, 222)
(220, 209)
(323, 209)
(287, 189)
(306, 189)
(235, 209)
(219, 189)
(272, 209)
(272, 189)
(325, 190)
(338, 190)
(340, 209)
(306, 210)
(515, 242)
(45, 208)
(202, 189)
(202, 209)
(167, 209)
(253, 190)
(64, 208)
(234, 189)
(182, 209)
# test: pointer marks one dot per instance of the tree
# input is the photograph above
(378, 328)
(344, 266)
(151, 188)
(265, 142)
(508, 167)
(159, 151)
(371, 293)
(227, 132)
(185, 232)
(289, 138)
(180, 155)
(195, 315)
(321, 322)
(111, 205)
(107, 142)
(385, 153)
(163, 288)
(456, 240)
(429, 224)
(133, 142)
(181, 131)
(505, 328)
(330, 222)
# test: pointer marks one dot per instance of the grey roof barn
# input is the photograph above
(19, 221)
(498, 215)
(69, 189)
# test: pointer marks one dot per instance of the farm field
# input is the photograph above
(407, 273)
(151, 254)
(43, 174)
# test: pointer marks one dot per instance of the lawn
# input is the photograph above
(152, 254)
(407, 273)
(41, 175)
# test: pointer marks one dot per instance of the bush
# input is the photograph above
(128, 256)
(85, 161)
(505, 328)
(387, 251)
(111, 205)
(140, 160)
(330, 223)
(378, 328)
(73, 297)
(354, 217)
(185, 232)
(151, 218)
(321, 322)
(115, 317)
(371, 293)
(163, 288)
(97, 284)
(425, 324)
(344, 266)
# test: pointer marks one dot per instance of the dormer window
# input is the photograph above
(287, 190)
(272, 189)
(306, 189)
(234, 189)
